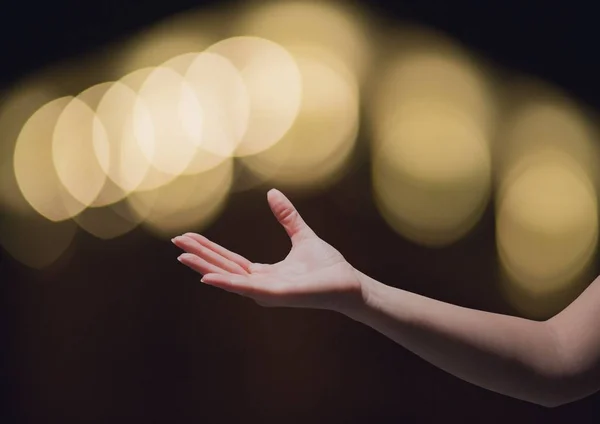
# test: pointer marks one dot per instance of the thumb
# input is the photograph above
(288, 216)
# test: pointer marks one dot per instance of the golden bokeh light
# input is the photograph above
(314, 151)
(189, 32)
(432, 116)
(274, 85)
(221, 97)
(547, 225)
(225, 102)
(158, 145)
(176, 120)
(547, 121)
(35, 241)
(333, 28)
(430, 67)
(432, 175)
(34, 168)
(127, 165)
(188, 203)
(109, 222)
(24, 234)
(76, 134)
(109, 216)
(15, 110)
(547, 231)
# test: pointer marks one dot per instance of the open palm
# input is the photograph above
(312, 275)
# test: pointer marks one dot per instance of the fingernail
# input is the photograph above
(202, 280)
(179, 258)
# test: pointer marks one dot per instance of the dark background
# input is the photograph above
(119, 332)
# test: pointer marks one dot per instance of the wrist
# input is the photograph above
(366, 289)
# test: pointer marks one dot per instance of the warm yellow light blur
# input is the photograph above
(34, 168)
(76, 133)
(428, 67)
(224, 100)
(35, 241)
(547, 230)
(189, 32)
(432, 118)
(333, 28)
(109, 222)
(176, 118)
(547, 225)
(547, 122)
(24, 234)
(128, 165)
(274, 85)
(313, 152)
(432, 175)
(188, 203)
(16, 108)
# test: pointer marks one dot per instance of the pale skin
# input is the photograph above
(549, 363)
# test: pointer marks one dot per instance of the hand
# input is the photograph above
(312, 275)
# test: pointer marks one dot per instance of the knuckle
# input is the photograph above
(288, 215)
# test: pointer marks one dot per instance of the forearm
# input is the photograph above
(509, 355)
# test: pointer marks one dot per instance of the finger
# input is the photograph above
(200, 265)
(231, 283)
(233, 257)
(288, 216)
(191, 246)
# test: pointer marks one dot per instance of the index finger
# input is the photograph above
(233, 257)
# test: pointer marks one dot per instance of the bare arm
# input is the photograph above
(548, 363)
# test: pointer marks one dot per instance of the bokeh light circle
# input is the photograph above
(546, 231)
(187, 203)
(34, 169)
(336, 29)
(432, 174)
(77, 136)
(314, 151)
(274, 85)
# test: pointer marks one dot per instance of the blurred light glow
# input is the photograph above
(225, 102)
(547, 231)
(318, 145)
(128, 163)
(432, 175)
(176, 120)
(24, 234)
(109, 222)
(429, 67)
(15, 110)
(35, 241)
(189, 32)
(541, 123)
(188, 203)
(335, 28)
(76, 133)
(432, 115)
(274, 84)
(34, 168)
(547, 227)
